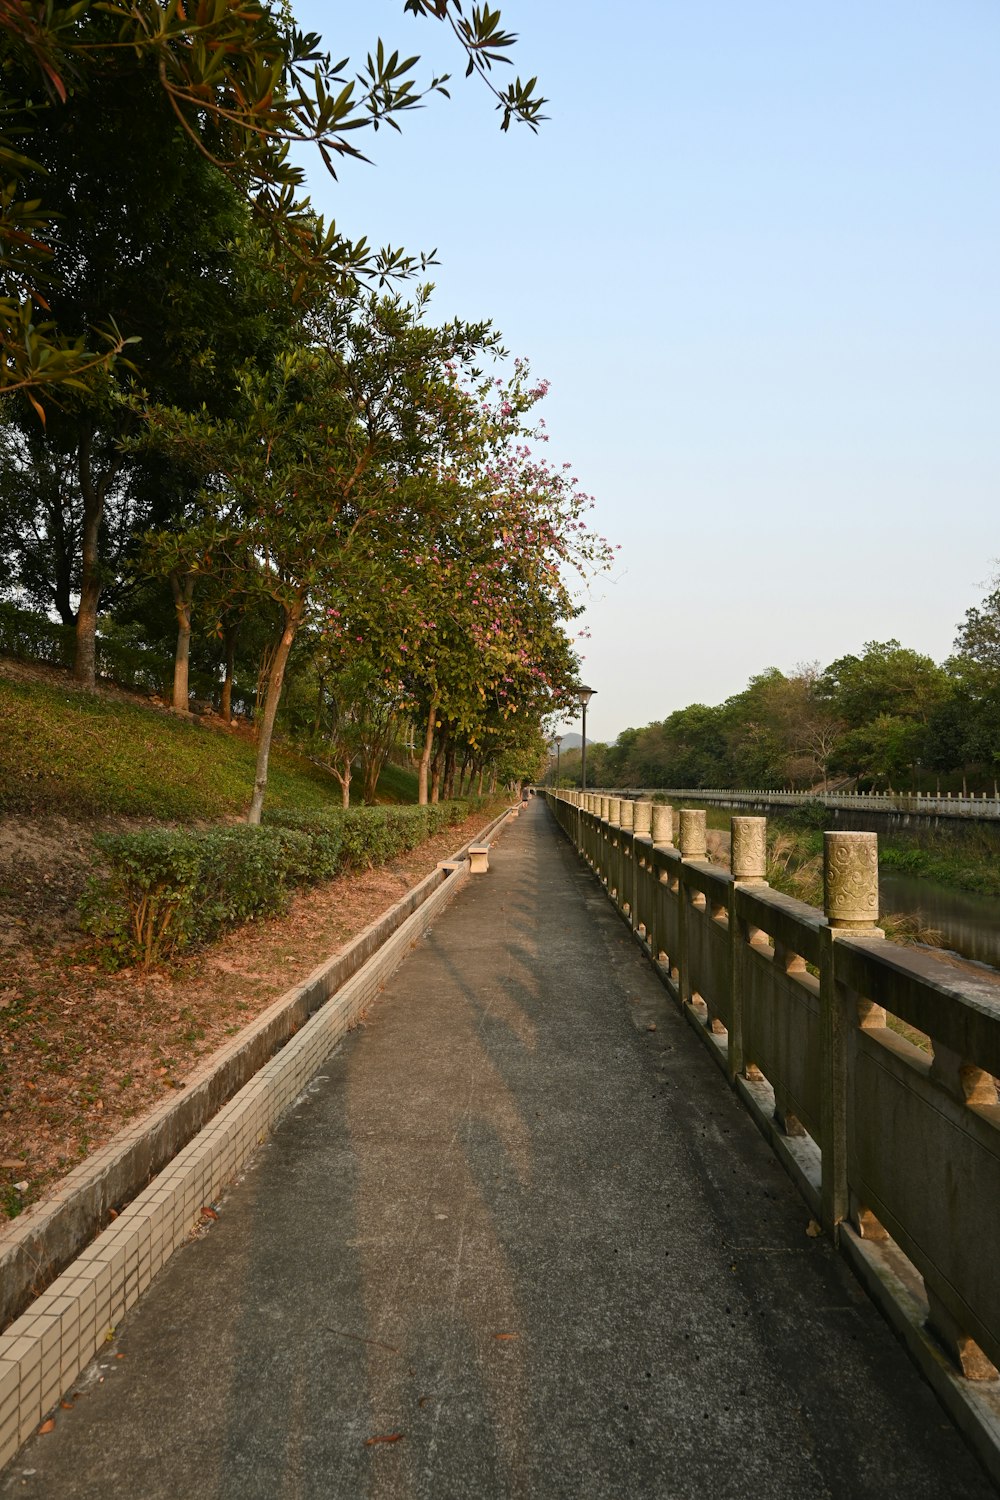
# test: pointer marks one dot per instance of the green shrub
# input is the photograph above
(30, 637)
(168, 891)
(325, 832)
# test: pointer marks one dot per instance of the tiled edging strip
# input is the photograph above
(44, 1349)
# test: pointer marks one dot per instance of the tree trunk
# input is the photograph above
(449, 773)
(479, 788)
(372, 770)
(182, 588)
(85, 656)
(425, 755)
(344, 777)
(65, 550)
(436, 767)
(275, 682)
(226, 700)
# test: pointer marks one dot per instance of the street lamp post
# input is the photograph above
(583, 697)
(557, 740)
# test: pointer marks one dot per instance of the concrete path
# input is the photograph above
(510, 1243)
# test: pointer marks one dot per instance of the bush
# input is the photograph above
(168, 891)
(30, 637)
(325, 833)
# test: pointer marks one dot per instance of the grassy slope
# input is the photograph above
(67, 752)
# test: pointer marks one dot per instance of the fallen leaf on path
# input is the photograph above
(209, 1213)
(813, 1230)
(651, 1026)
(49, 1426)
(383, 1437)
(506, 1335)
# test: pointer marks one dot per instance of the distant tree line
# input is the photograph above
(889, 718)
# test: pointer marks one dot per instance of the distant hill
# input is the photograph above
(571, 742)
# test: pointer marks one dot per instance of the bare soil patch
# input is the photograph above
(83, 1052)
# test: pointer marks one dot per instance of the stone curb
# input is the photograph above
(44, 1350)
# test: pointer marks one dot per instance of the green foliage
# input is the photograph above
(811, 817)
(366, 836)
(26, 636)
(169, 891)
(397, 784)
(969, 870)
(886, 679)
(240, 86)
(325, 834)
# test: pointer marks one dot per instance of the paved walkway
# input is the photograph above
(510, 1243)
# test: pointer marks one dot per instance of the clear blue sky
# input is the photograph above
(756, 249)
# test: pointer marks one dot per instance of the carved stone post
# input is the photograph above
(748, 850)
(612, 839)
(850, 904)
(693, 847)
(663, 823)
(642, 817)
(625, 856)
(748, 863)
(693, 833)
(850, 879)
(662, 827)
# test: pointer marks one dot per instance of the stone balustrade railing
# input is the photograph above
(872, 1067)
(921, 804)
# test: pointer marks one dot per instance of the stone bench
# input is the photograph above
(479, 855)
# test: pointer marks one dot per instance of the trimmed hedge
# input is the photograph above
(167, 891)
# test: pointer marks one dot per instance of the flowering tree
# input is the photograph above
(466, 608)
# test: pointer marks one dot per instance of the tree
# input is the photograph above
(473, 626)
(242, 85)
(145, 235)
(329, 448)
(886, 679)
(978, 637)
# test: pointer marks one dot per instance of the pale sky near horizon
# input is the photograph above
(756, 250)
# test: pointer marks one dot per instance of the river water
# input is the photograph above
(968, 922)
